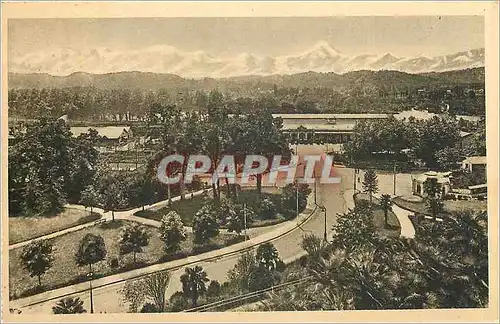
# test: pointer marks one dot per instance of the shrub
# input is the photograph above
(260, 278)
(114, 263)
(172, 231)
(214, 289)
(174, 256)
(198, 249)
(205, 223)
(267, 209)
(178, 302)
(234, 240)
(149, 308)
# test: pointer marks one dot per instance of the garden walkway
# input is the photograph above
(107, 216)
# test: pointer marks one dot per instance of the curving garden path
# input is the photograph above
(107, 216)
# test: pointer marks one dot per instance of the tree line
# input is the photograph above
(435, 142)
(360, 94)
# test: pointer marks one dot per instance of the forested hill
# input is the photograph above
(153, 81)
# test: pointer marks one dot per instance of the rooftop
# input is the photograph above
(417, 114)
(479, 186)
(475, 160)
(332, 116)
(319, 127)
(442, 177)
(110, 132)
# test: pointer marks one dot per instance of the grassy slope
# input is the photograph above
(394, 228)
(65, 270)
(26, 228)
(188, 208)
(449, 205)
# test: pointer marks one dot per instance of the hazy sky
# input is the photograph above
(401, 36)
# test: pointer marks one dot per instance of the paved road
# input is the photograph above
(108, 299)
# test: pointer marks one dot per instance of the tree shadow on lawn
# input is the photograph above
(392, 228)
(124, 263)
(111, 225)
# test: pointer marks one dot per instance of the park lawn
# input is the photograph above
(23, 228)
(393, 229)
(187, 208)
(66, 272)
(450, 206)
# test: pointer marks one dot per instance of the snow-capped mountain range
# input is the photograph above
(322, 57)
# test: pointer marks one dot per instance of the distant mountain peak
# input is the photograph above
(324, 46)
(320, 57)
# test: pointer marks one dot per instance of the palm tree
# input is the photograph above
(69, 305)
(194, 283)
(386, 205)
(431, 187)
(435, 206)
(314, 246)
(371, 281)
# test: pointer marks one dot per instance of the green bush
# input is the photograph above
(178, 302)
(267, 209)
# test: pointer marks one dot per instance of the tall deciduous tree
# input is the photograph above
(90, 197)
(151, 287)
(216, 128)
(294, 197)
(235, 222)
(206, 223)
(264, 136)
(435, 135)
(172, 231)
(370, 183)
(146, 190)
(114, 197)
(156, 286)
(91, 249)
(42, 169)
(194, 283)
(37, 258)
(240, 274)
(165, 124)
(133, 239)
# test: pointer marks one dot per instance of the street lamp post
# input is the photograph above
(90, 274)
(324, 234)
(394, 185)
(315, 189)
(297, 198)
(245, 219)
(356, 174)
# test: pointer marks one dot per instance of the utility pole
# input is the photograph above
(394, 184)
(315, 189)
(245, 219)
(297, 192)
(136, 156)
(90, 274)
(355, 173)
(324, 234)
(355, 176)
